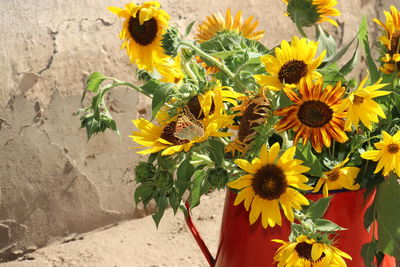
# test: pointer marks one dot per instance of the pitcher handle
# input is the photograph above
(197, 237)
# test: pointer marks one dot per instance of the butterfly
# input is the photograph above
(187, 126)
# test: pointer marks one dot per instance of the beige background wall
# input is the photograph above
(52, 181)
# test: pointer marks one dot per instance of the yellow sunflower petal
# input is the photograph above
(245, 165)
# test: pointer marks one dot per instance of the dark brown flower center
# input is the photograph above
(142, 34)
(393, 148)
(270, 182)
(303, 249)
(292, 71)
(168, 134)
(314, 113)
(254, 115)
(358, 100)
(333, 176)
(394, 43)
(195, 108)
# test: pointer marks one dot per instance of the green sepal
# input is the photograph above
(189, 28)
(217, 177)
(296, 230)
(170, 41)
(216, 151)
(143, 192)
(144, 172)
(302, 12)
(96, 123)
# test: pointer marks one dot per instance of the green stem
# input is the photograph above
(121, 83)
(190, 73)
(213, 60)
(241, 68)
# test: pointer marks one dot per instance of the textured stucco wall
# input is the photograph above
(52, 181)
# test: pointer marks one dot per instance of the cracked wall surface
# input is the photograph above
(52, 181)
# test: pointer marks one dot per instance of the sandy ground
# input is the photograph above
(137, 242)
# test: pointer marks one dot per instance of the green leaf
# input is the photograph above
(332, 76)
(198, 178)
(388, 210)
(369, 215)
(142, 192)
(338, 55)
(174, 200)
(310, 160)
(349, 66)
(162, 203)
(368, 253)
(324, 225)
(317, 209)
(363, 38)
(326, 42)
(94, 81)
(160, 97)
(367, 178)
(184, 175)
(189, 28)
(216, 151)
(151, 86)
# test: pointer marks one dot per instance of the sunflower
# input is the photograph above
(268, 183)
(198, 125)
(142, 30)
(309, 253)
(314, 114)
(170, 70)
(360, 105)
(338, 178)
(390, 39)
(216, 23)
(387, 154)
(291, 63)
(254, 111)
(323, 9)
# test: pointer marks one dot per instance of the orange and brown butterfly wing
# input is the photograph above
(187, 126)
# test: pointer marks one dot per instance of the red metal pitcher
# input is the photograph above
(245, 245)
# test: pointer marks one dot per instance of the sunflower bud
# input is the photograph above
(164, 180)
(144, 172)
(170, 42)
(218, 177)
(302, 12)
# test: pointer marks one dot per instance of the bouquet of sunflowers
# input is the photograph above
(271, 124)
